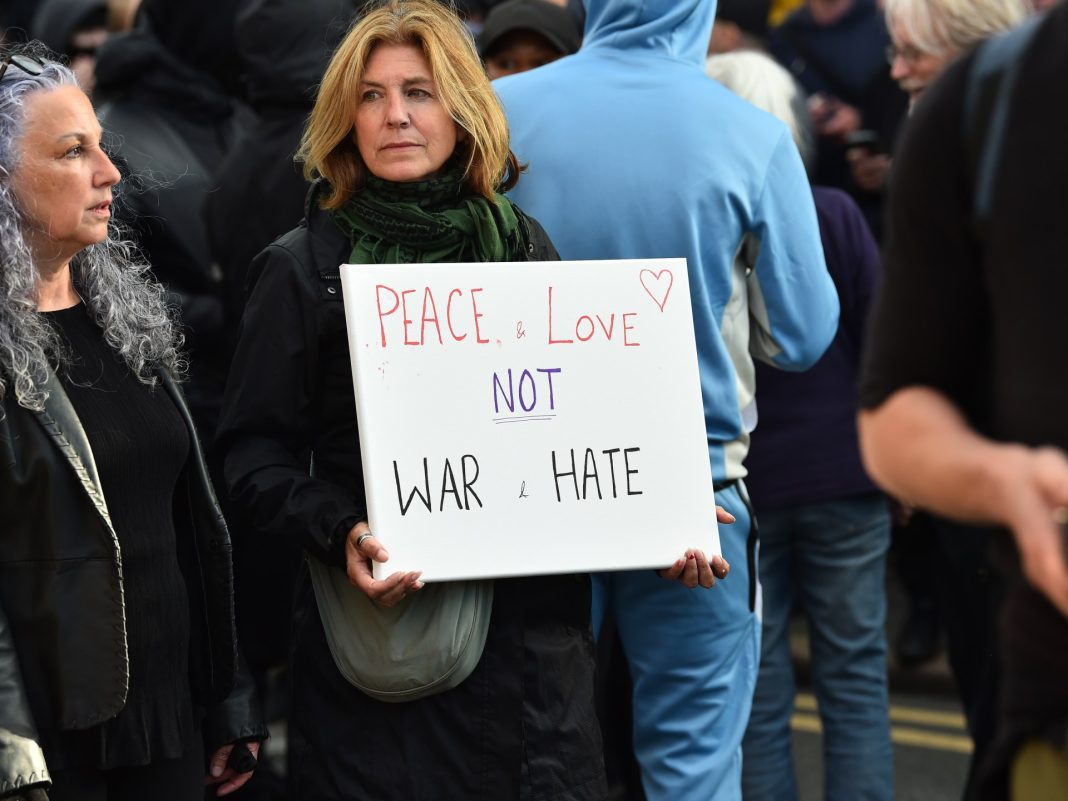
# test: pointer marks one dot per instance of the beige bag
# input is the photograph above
(426, 644)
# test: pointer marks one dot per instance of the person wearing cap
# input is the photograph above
(520, 35)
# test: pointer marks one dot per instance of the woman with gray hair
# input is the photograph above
(116, 616)
(928, 34)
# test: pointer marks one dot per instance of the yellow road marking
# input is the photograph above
(902, 735)
(806, 702)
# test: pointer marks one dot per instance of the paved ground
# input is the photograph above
(931, 748)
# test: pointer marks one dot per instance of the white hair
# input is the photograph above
(949, 27)
(760, 80)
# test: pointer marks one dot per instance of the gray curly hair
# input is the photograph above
(111, 276)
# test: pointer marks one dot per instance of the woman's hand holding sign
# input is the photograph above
(694, 568)
(361, 549)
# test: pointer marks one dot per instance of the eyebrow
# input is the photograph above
(81, 136)
(407, 82)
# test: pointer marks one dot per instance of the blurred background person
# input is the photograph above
(284, 47)
(925, 36)
(520, 35)
(951, 587)
(824, 526)
(740, 25)
(74, 29)
(118, 662)
(961, 389)
(835, 48)
(121, 14)
(610, 180)
(164, 95)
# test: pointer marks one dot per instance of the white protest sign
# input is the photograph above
(529, 418)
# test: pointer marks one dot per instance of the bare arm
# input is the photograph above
(919, 447)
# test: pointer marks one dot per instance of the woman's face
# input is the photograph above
(912, 68)
(403, 132)
(62, 179)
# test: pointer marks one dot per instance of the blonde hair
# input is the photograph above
(948, 27)
(327, 147)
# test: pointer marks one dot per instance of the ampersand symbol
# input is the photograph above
(519, 332)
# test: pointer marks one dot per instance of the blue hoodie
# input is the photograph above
(635, 153)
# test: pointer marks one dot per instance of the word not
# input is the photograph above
(528, 390)
(428, 315)
(448, 486)
(585, 328)
(590, 473)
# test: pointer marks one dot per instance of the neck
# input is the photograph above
(55, 289)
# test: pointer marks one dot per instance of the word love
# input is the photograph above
(587, 326)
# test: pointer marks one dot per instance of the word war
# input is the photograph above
(449, 486)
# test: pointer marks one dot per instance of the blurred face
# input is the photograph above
(828, 12)
(402, 131)
(83, 47)
(520, 51)
(63, 180)
(913, 69)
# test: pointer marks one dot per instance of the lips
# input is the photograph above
(399, 145)
(101, 208)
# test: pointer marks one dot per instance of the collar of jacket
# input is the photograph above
(61, 423)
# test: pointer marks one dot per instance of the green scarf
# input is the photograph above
(429, 221)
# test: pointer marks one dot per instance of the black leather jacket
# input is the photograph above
(63, 657)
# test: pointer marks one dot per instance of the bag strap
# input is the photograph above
(987, 103)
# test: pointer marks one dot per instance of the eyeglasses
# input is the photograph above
(31, 65)
(908, 54)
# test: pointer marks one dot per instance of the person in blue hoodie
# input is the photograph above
(635, 153)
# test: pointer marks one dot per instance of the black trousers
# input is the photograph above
(166, 780)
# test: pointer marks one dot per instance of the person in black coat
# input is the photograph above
(163, 97)
(118, 658)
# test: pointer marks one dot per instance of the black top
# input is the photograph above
(980, 318)
(140, 445)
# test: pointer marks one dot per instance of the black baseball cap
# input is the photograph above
(749, 15)
(553, 22)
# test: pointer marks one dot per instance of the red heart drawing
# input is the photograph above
(657, 285)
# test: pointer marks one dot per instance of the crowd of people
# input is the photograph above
(866, 193)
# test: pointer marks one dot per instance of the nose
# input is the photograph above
(397, 111)
(107, 174)
(899, 68)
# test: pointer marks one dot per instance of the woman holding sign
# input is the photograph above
(408, 148)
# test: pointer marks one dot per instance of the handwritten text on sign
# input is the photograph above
(529, 418)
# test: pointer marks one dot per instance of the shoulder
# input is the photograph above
(312, 249)
(539, 246)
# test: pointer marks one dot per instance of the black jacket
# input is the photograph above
(522, 725)
(63, 657)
